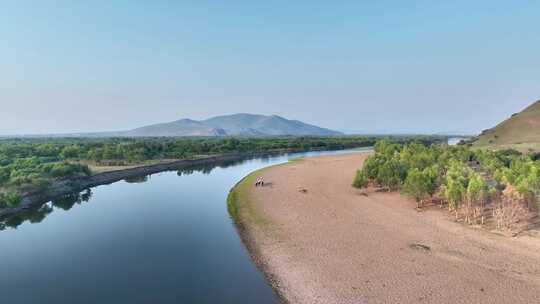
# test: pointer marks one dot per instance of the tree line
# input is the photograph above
(30, 164)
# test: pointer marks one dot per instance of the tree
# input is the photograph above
(529, 185)
(5, 172)
(70, 152)
(386, 148)
(454, 193)
(391, 174)
(421, 184)
(476, 194)
(415, 186)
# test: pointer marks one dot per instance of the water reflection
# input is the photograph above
(208, 168)
(38, 214)
(137, 179)
(68, 201)
(169, 239)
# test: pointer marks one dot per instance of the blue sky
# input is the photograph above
(371, 66)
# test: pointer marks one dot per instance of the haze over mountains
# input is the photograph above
(241, 124)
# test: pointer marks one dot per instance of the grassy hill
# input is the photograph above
(521, 131)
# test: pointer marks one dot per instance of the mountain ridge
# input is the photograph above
(239, 124)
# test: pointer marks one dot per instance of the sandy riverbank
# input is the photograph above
(329, 244)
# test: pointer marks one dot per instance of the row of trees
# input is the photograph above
(29, 164)
(463, 178)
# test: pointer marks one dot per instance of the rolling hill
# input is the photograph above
(521, 131)
(228, 125)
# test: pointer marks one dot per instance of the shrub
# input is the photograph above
(476, 197)
(10, 199)
(420, 184)
(361, 180)
(391, 174)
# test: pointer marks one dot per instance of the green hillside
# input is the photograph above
(521, 131)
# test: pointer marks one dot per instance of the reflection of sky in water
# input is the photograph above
(159, 239)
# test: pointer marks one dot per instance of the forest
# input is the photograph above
(32, 164)
(476, 185)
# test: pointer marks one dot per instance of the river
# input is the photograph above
(164, 238)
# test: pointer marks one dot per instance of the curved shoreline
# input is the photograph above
(64, 187)
(333, 245)
(236, 201)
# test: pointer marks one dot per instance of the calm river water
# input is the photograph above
(165, 238)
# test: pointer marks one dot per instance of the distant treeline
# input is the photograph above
(502, 186)
(30, 164)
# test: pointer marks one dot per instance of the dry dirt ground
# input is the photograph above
(322, 242)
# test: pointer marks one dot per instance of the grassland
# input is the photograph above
(521, 132)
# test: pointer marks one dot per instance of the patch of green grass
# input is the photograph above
(521, 147)
(294, 160)
(238, 202)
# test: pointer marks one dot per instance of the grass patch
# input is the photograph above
(521, 147)
(240, 207)
(294, 160)
(239, 203)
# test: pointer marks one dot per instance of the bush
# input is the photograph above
(65, 169)
(391, 174)
(361, 180)
(420, 184)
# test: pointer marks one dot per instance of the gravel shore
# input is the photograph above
(321, 241)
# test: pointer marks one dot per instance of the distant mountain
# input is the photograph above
(250, 124)
(521, 130)
(182, 127)
(228, 125)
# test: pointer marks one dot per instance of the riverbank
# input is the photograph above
(320, 241)
(57, 188)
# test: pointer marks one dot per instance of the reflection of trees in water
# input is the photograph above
(137, 179)
(67, 202)
(40, 214)
(208, 168)
(37, 215)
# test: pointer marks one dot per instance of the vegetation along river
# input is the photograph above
(165, 238)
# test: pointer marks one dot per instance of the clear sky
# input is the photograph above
(372, 66)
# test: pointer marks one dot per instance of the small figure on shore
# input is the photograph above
(260, 182)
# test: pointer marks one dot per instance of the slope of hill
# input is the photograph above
(233, 125)
(182, 127)
(521, 131)
(250, 124)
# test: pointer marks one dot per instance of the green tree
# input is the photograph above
(454, 192)
(391, 174)
(70, 152)
(415, 186)
(421, 185)
(476, 195)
